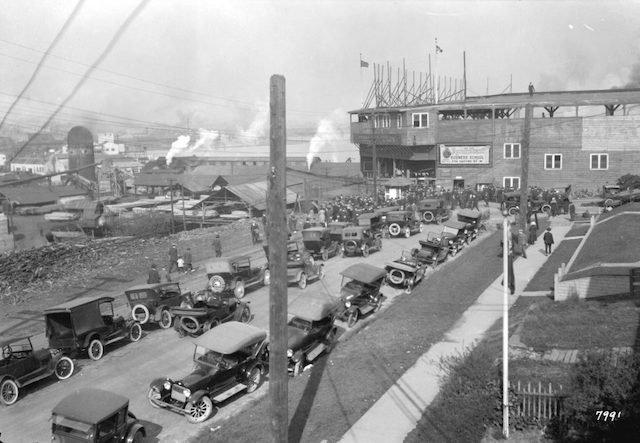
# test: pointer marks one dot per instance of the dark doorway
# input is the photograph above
(458, 183)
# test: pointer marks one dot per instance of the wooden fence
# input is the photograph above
(541, 402)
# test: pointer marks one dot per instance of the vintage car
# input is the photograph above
(455, 233)
(235, 275)
(405, 272)
(21, 365)
(473, 221)
(403, 223)
(89, 324)
(318, 242)
(433, 251)
(336, 228)
(360, 240)
(301, 266)
(228, 359)
(512, 204)
(94, 415)
(375, 222)
(433, 210)
(360, 291)
(152, 303)
(207, 309)
(613, 196)
(311, 330)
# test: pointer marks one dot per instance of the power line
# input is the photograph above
(119, 32)
(40, 63)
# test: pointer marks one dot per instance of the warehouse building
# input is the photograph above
(581, 138)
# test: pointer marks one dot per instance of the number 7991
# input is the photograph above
(608, 415)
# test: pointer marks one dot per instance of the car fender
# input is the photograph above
(133, 430)
(88, 338)
(158, 384)
(299, 275)
(158, 311)
(197, 396)
(9, 377)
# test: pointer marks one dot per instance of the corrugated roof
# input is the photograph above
(255, 194)
(38, 195)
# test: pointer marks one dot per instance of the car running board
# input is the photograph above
(316, 351)
(229, 393)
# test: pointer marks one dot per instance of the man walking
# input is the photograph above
(173, 258)
(533, 233)
(522, 243)
(217, 246)
(548, 241)
(188, 261)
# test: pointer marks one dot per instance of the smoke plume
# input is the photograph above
(328, 135)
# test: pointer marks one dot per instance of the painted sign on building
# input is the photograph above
(464, 155)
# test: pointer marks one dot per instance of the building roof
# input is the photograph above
(38, 195)
(333, 169)
(539, 98)
(255, 194)
(612, 246)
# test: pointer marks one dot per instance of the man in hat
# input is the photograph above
(173, 257)
(154, 276)
(217, 245)
(533, 233)
(548, 241)
(522, 243)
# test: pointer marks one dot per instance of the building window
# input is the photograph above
(511, 182)
(420, 120)
(553, 161)
(382, 121)
(599, 161)
(399, 121)
(512, 150)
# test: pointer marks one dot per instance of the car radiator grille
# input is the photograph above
(177, 393)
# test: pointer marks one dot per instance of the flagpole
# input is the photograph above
(435, 72)
(361, 93)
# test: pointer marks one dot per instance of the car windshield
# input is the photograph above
(72, 427)
(450, 230)
(292, 247)
(209, 358)
(395, 216)
(300, 323)
(354, 285)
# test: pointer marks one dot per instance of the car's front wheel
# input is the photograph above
(165, 319)
(153, 396)
(64, 368)
(409, 288)
(513, 210)
(394, 229)
(200, 410)
(135, 332)
(207, 326)
(407, 232)
(96, 349)
(365, 251)
(302, 282)
(245, 317)
(254, 380)
(298, 367)
(239, 291)
(9, 392)
(353, 318)
(138, 437)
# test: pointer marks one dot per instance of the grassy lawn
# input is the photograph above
(582, 324)
(543, 280)
(578, 229)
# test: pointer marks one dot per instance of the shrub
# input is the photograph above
(599, 383)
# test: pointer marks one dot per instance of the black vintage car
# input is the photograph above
(318, 242)
(152, 303)
(434, 250)
(360, 240)
(311, 330)
(21, 365)
(433, 210)
(473, 221)
(375, 222)
(95, 416)
(336, 228)
(88, 324)
(235, 274)
(405, 272)
(301, 266)
(229, 359)
(512, 204)
(455, 233)
(360, 291)
(403, 223)
(206, 309)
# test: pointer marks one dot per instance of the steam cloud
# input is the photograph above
(327, 135)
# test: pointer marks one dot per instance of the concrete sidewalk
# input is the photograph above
(398, 411)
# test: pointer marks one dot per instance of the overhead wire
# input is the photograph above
(46, 53)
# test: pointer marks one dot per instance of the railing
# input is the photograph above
(540, 402)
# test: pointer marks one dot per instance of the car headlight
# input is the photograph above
(289, 353)
(167, 385)
(348, 304)
(187, 393)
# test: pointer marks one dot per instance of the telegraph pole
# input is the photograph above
(171, 191)
(524, 177)
(375, 159)
(277, 240)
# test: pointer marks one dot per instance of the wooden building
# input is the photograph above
(582, 138)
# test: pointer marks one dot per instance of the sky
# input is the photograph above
(207, 64)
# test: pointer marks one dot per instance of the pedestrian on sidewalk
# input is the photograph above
(522, 243)
(533, 233)
(217, 245)
(188, 261)
(154, 276)
(164, 275)
(173, 257)
(548, 241)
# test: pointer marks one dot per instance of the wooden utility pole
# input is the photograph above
(375, 159)
(277, 241)
(173, 230)
(184, 222)
(524, 176)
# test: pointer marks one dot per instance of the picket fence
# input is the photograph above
(541, 402)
